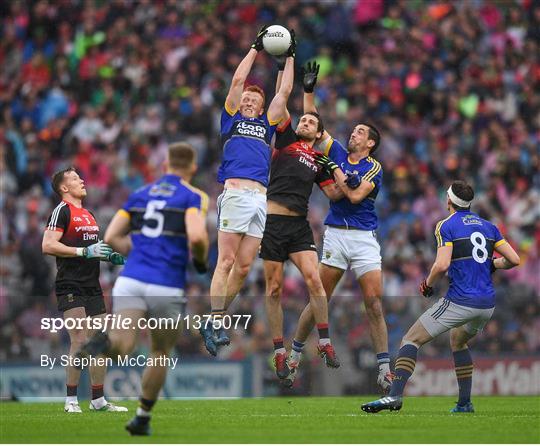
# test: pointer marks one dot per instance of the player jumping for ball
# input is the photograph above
(350, 237)
(246, 131)
(288, 235)
(465, 245)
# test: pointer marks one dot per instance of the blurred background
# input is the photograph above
(106, 85)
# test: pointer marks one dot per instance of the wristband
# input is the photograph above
(81, 252)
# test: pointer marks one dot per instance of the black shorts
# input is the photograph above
(91, 298)
(284, 235)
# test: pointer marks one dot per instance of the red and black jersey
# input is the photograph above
(79, 229)
(293, 171)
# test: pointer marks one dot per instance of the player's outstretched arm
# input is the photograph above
(281, 66)
(509, 259)
(232, 102)
(277, 110)
(117, 233)
(309, 79)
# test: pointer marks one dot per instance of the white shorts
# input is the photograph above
(445, 315)
(242, 211)
(154, 300)
(351, 247)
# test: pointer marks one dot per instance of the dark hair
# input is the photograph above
(462, 190)
(181, 155)
(58, 179)
(320, 125)
(375, 136)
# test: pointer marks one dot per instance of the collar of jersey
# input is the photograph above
(356, 162)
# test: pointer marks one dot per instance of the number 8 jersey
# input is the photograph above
(160, 252)
(472, 239)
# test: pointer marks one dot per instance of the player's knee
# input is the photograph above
(77, 338)
(225, 264)
(125, 345)
(313, 281)
(273, 290)
(242, 270)
(457, 342)
(374, 307)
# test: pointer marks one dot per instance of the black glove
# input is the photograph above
(309, 76)
(353, 180)
(280, 60)
(200, 267)
(426, 290)
(258, 42)
(326, 163)
(291, 52)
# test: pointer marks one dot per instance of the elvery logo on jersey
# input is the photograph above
(251, 129)
(90, 231)
(306, 158)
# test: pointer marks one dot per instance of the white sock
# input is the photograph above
(72, 399)
(280, 350)
(324, 341)
(295, 356)
(98, 403)
(384, 368)
(142, 413)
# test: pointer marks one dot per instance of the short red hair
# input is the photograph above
(256, 89)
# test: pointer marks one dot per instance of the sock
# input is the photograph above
(323, 332)
(97, 391)
(71, 391)
(464, 370)
(383, 361)
(144, 410)
(404, 368)
(298, 346)
(278, 345)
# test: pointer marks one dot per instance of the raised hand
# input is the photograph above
(309, 76)
(258, 42)
(291, 52)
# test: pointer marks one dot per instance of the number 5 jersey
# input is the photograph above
(157, 211)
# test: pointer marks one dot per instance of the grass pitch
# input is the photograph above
(281, 420)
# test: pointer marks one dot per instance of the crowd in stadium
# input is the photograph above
(106, 86)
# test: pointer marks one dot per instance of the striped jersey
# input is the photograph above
(157, 211)
(79, 229)
(473, 240)
(246, 147)
(344, 213)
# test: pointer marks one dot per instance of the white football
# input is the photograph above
(277, 40)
